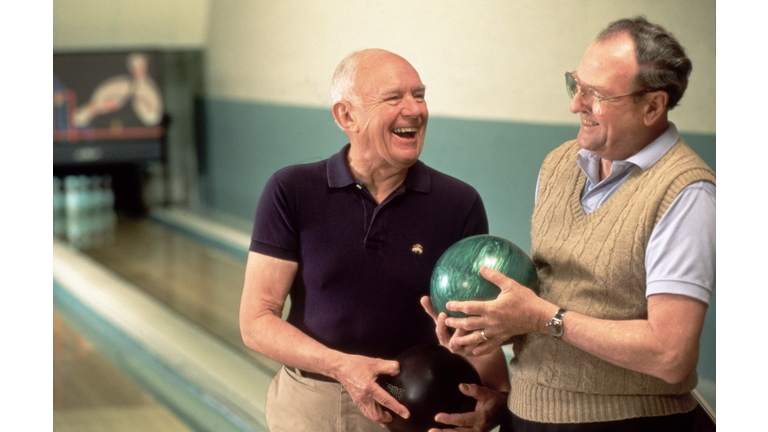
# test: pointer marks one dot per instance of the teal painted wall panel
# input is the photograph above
(246, 142)
(501, 160)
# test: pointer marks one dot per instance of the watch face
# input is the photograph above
(555, 327)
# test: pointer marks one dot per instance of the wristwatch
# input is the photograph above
(555, 325)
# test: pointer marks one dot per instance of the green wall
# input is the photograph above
(246, 142)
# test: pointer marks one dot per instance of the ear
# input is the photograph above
(656, 108)
(342, 113)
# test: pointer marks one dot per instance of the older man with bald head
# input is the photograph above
(353, 240)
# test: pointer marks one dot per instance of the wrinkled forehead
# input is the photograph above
(387, 72)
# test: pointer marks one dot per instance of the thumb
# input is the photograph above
(389, 367)
(426, 303)
(469, 389)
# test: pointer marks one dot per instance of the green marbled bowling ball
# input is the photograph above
(457, 273)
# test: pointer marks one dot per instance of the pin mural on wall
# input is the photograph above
(106, 96)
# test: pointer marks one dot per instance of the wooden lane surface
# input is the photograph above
(91, 394)
(200, 282)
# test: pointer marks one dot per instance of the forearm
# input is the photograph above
(266, 288)
(275, 338)
(665, 345)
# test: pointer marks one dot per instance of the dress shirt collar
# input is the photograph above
(644, 159)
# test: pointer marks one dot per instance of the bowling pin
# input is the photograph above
(89, 211)
(99, 213)
(74, 210)
(114, 93)
(147, 102)
(110, 219)
(59, 213)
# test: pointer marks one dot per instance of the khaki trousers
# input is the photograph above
(296, 403)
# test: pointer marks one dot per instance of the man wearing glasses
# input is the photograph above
(623, 236)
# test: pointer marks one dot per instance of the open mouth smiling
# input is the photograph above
(405, 132)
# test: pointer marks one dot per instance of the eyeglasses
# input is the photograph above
(588, 94)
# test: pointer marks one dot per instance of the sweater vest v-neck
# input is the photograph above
(594, 264)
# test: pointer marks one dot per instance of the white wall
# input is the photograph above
(480, 59)
(92, 24)
(492, 59)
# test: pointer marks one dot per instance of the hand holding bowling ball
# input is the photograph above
(457, 273)
(428, 384)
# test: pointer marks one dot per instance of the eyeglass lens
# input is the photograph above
(587, 96)
(571, 85)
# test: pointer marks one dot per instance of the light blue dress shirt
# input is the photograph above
(680, 257)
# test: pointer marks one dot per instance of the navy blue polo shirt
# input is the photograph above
(363, 266)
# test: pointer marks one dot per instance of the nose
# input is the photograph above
(412, 107)
(577, 104)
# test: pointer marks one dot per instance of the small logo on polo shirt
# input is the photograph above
(417, 249)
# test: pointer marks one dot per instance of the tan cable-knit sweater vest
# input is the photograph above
(594, 264)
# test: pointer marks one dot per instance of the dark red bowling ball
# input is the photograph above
(428, 384)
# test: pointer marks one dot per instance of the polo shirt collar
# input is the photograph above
(338, 171)
(417, 179)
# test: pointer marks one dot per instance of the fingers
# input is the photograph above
(459, 420)
(463, 419)
(465, 338)
(472, 343)
(374, 412)
(464, 343)
(383, 398)
(387, 367)
(368, 395)
(471, 390)
(484, 349)
(426, 303)
(493, 276)
(444, 333)
(469, 324)
(482, 417)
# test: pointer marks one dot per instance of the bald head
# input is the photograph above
(343, 85)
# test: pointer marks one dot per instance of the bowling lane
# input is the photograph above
(200, 282)
(92, 394)
(207, 382)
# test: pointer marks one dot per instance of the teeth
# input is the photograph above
(405, 130)
(589, 123)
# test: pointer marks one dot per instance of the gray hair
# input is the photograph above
(345, 77)
(662, 62)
